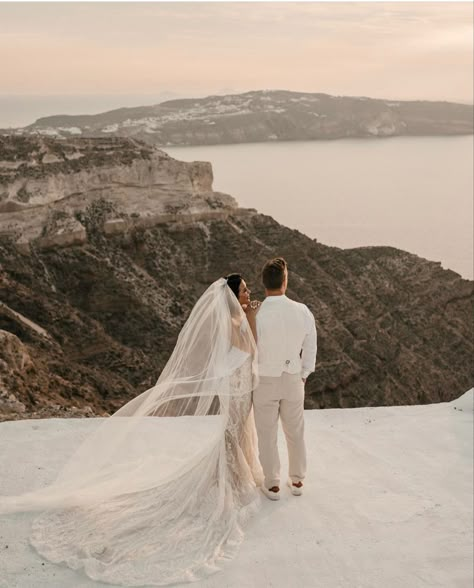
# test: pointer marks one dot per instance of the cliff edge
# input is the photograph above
(105, 249)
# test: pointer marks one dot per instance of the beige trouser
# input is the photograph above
(273, 398)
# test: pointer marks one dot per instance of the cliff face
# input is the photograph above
(264, 116)
(88, 325)
(45, 184)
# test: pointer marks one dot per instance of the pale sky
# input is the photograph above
(144, 52)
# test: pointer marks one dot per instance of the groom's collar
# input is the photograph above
(279, 297)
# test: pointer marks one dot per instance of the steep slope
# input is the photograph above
(90, 323)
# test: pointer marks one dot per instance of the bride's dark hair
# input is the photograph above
(233, 281)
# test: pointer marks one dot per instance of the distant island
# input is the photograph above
(261, 116)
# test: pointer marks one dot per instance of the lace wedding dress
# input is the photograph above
(160, 492)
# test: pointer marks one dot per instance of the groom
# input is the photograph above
(286, 340)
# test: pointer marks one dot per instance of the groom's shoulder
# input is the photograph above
(300, 306)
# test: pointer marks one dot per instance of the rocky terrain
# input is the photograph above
(105, 245)
(46, 184)
(263, 116)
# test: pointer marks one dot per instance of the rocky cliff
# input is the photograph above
(264, 116)
(46, 184)
(101, 262)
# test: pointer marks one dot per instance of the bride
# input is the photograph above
(159, 492)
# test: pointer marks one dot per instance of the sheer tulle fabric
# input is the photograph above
(159, 492)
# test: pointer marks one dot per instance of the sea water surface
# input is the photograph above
(413, 193)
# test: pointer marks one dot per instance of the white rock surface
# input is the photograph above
(387, 504)
(41, 202)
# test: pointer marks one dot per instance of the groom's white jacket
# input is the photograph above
(286, 337)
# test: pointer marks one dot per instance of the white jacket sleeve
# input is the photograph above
(308, 355)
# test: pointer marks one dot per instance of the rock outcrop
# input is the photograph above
(89, 322)
(45, 184)
(264, 116)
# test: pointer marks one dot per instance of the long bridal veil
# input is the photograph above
(158, 492)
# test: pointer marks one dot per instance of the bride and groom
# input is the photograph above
(154, 501)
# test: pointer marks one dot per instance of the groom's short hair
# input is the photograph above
(273, 273)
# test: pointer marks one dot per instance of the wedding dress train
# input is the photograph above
(160, 492)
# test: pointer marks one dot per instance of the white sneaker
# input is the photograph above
(271, 494)
(294, 489)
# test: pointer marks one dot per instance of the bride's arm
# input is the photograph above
(238, 337)
(251, 314)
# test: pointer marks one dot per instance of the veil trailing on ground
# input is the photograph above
(158, 492)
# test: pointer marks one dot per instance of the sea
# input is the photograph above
(412, 193)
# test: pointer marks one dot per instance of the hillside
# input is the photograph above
(103, 256)
(263, 116)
